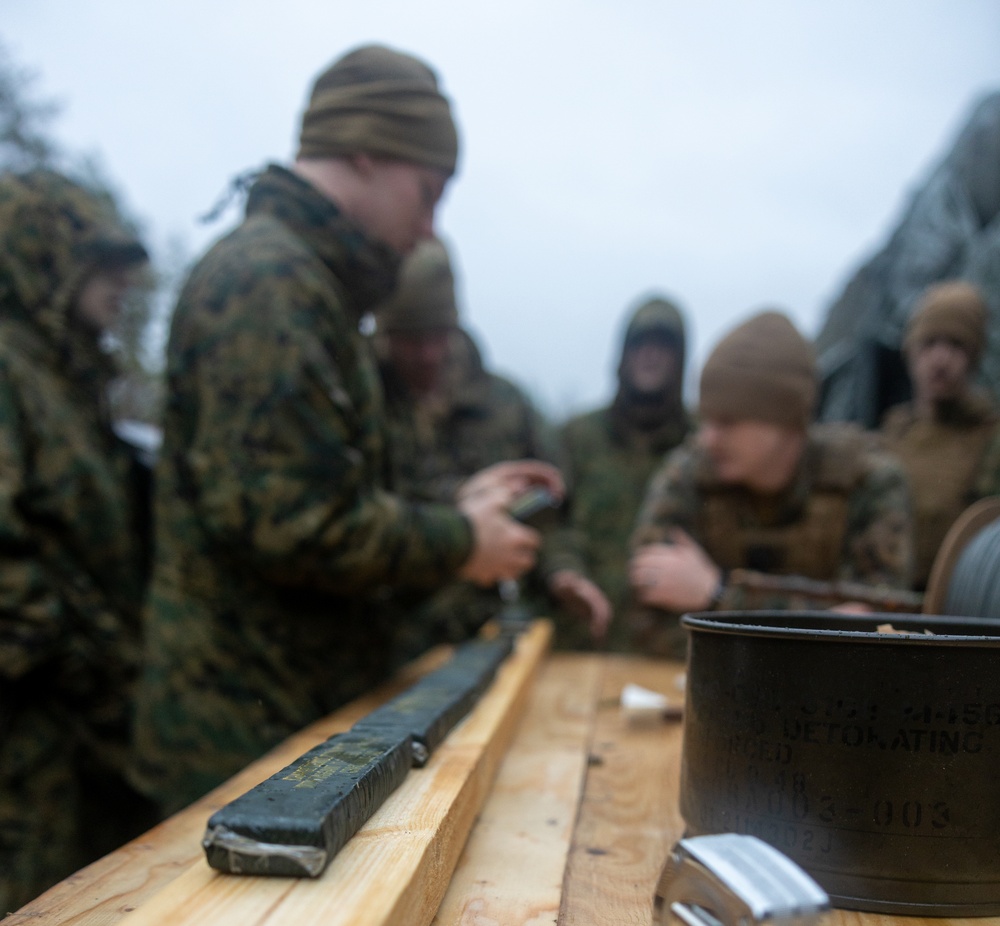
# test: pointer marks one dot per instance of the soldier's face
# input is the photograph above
(760, 455)
(420, 357)
(400, 202)
(651, 365)
(102, 297)
(939, 368)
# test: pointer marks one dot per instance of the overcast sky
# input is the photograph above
(728, 154)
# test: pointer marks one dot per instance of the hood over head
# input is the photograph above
(661, 412)
(55, 233)
(655, 316)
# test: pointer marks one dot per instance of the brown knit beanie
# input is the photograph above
(955, 310)
(764, 370)
(425, 296)
(381, 102)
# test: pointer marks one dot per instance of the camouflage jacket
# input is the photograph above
(951, 461)
(608, 465)
(278, 543)
(480, 419)
(72, 566)
(846, 516)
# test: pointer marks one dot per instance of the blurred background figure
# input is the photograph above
(449, 417)
(609, 455)
(761, 489)
(948, 436)
(949, 230)
(73, 555)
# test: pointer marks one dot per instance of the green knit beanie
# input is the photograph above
(425, 296)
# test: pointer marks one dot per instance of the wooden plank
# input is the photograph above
(629, 816)
(102, 893)
(512, 868)
(397, 868)
(618, 809)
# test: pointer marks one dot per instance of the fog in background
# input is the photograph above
(728, 154)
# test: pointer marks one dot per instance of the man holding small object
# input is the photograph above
(280, 543)
(450, 415)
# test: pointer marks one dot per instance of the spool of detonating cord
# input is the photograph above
(974, 588)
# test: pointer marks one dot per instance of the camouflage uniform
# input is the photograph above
(479, 419)
(845, 516)
(72, 567)
(951, 461)
(610, 455)
(277, 541)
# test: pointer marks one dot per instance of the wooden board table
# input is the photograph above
(575, 829)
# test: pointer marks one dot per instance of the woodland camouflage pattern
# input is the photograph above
(480, 419)
(610, 455)
(846, 516)
(72, 564)
(278, 542)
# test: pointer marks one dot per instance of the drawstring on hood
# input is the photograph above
(238, 187)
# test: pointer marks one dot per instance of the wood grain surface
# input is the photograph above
(512, 869)
(575, 830)
(397, 867)
(628, 818)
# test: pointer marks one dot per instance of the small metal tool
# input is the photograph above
(532, 503)
(734, 880)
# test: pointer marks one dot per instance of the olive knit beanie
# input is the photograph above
(381, 102)
(425, 296)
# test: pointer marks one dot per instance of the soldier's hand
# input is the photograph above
(583, 599)
(677, 576)
(515, 477)
(502, 548)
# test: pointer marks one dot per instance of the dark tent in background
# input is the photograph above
(951, 229)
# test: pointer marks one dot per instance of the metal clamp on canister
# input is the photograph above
(733, 880)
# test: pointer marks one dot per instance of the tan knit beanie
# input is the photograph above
(381, 102)
(425, 296)
(955, 310)
(763, 370)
